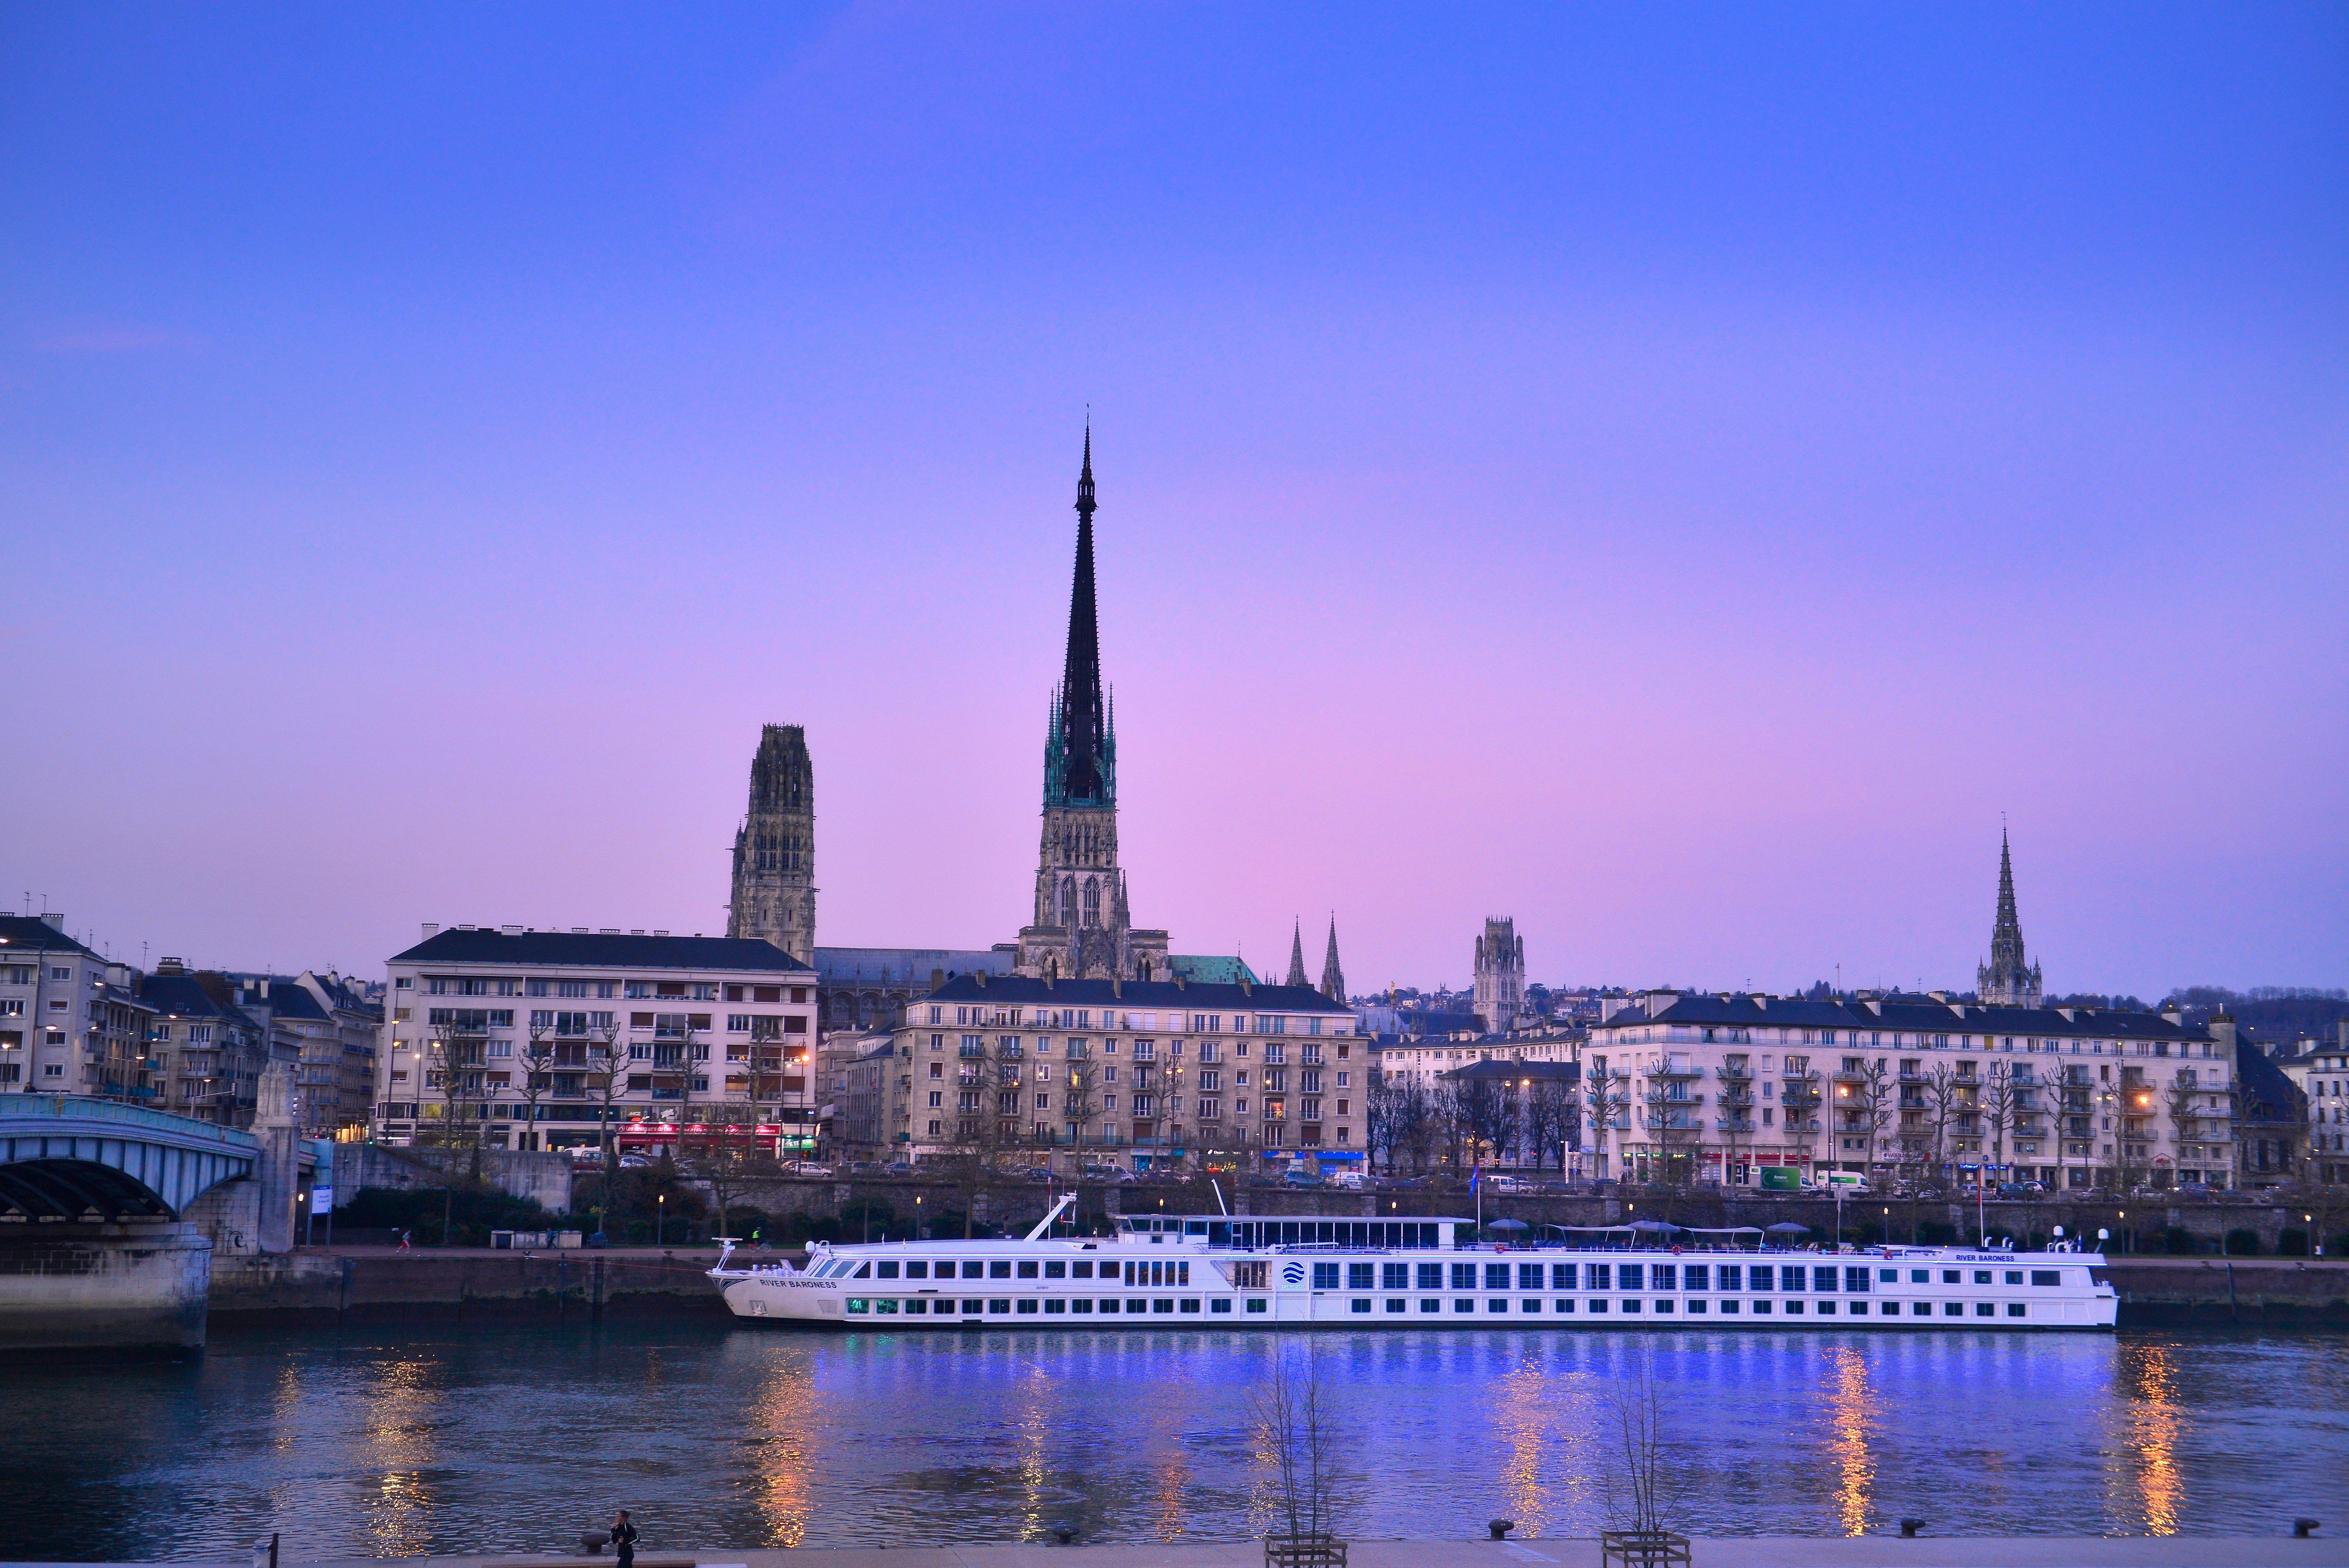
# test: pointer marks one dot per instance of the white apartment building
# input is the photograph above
(72, 1022)
(1718, 1085)
(541, 1039)
(2322, 1076)
(1129, 1072)
(1422, 1060)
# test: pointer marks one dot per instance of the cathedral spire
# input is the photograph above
(2008, 979)
(1296, 955)
(1333, 978)
(1080, 766)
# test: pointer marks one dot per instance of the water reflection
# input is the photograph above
(396, 1442)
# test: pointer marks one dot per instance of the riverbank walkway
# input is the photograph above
(1567, 1552)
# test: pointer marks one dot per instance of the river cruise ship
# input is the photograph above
(1244, 1271)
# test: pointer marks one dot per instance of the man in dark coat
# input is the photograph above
(624, 1538)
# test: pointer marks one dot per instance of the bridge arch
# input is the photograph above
(67, 1158)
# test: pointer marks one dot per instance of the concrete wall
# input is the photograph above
(518, 1173)
(253, 1290)
(132, 1289)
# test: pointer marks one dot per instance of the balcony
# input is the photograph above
(1732, 1124)
(1732, 1073)
(1675, 1070)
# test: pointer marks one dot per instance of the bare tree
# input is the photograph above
(1644, 1487)
(1548, 1121)
(1609, 1097)
(1875, 1108)
(607, 1078)
(456, 1065)
(1998, 1107)
(1296, 1419)
(726, 1159)
(536, 1065)
(1941, 1100)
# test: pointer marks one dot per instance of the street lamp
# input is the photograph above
(660, 1218)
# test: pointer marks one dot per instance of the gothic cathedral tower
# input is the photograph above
(1500, 976)
(2006, 981)
(775, 851)
(1083, 928)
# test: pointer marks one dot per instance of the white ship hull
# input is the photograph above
(1168, 1278)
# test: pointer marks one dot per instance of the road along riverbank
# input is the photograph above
(378, 1283)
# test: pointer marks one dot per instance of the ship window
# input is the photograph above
(973, 1269)
(888, 1270)
(2014, 1276)
(886, 1308)
(1953, 1309)
(864, 1271)
(1029, 1304)
(1599, 1278)
(1664, 1273)
(1696, 1306)
(1630, 1305)
(1136, 1303)
(1001, 1304)
(1498, 1304)
(1565, 1304)
(1056, 1270)
(917, 1307)
(1531, 1304)
(1794, 1307)
(974, 1306)
(2046, 1276)
(1985, 1309)
(1056, 1304)
(1463, 1276)
(1497, 1277)
(1981, 1276)
(1358, 1303)
(1920, 1309)
(1854, 1279)
(1028, 1268)
(1598, 1307)
(1464, 1304)
(917, 1269)
(1699, 1276)
(1954, 1277)
(1325, 1276)
(1628, 1275)
(1920, 1276)
(1729, 1306)
(1394, 1277)
(999, 1269)
(1732, 1276)
(1397, 1304)
(1889, 1276)
(1255, 1303)
(858, 1304)
(1561, 1276)
(1082, 1304)
(2015, 1309)
(1163, 1304)
(1189, 1304)
(1080, 1269)
(1663, 1306)
(1431, 1276)
(1530, 1276)
(1357, 1276)
(1430, 1304)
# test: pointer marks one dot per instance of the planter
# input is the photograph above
(1642, 1548)
(1304, 1552)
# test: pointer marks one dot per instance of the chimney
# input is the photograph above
(54, 921)
(432, 929)
(171, 967)
(938, 978)
(979, 975)
(510, 930)
(660, 934)
(2171, 1012)
(2222, 1029)
(608, 931)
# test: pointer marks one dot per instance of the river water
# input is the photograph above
(404, 1441)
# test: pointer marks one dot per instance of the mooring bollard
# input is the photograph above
(1501, 1528)
(1909, 1527)
(1064, 1533)
(592, 1543)
(2301, 1529)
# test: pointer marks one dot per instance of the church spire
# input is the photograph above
(1296, 955)
(2008, 979)
(2008, 925)
(1333, 978)
(1080, 767)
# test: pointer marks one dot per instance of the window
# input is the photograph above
(2046, 1276)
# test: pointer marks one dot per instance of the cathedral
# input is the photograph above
(2006, 981)
(1500, 976)
(775, 849)
(1083, 929)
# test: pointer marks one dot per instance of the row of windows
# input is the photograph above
(603, 990)
(1192, 1023)
(1137, 1305)
(1133, 1272)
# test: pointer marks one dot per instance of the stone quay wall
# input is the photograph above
(131, 1290)
(374, 1284)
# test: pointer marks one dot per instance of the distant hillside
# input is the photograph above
(2270, 1012)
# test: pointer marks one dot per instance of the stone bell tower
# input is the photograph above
(775, 851)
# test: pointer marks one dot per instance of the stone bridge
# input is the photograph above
(110, 1214)
(64, 1157)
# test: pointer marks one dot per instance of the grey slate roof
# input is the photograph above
(1025, 991)
(573, 950)
(1914, 1014)
(30, 933)
(184, 996)
(1557, 1072)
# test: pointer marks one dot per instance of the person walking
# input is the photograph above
(624, 1540)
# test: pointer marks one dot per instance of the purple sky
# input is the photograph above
(1672, 476)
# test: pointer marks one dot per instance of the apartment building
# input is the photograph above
(1715, 1086)
(2322, 1076)
(1130, 1072)
(543, 1039)
(72, 1021)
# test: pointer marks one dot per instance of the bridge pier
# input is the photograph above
(128, 1288)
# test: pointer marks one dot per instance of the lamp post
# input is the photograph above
(660, 1218)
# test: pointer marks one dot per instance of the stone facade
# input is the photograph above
(1500, 976)
(2007, 981)
(775, 849)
